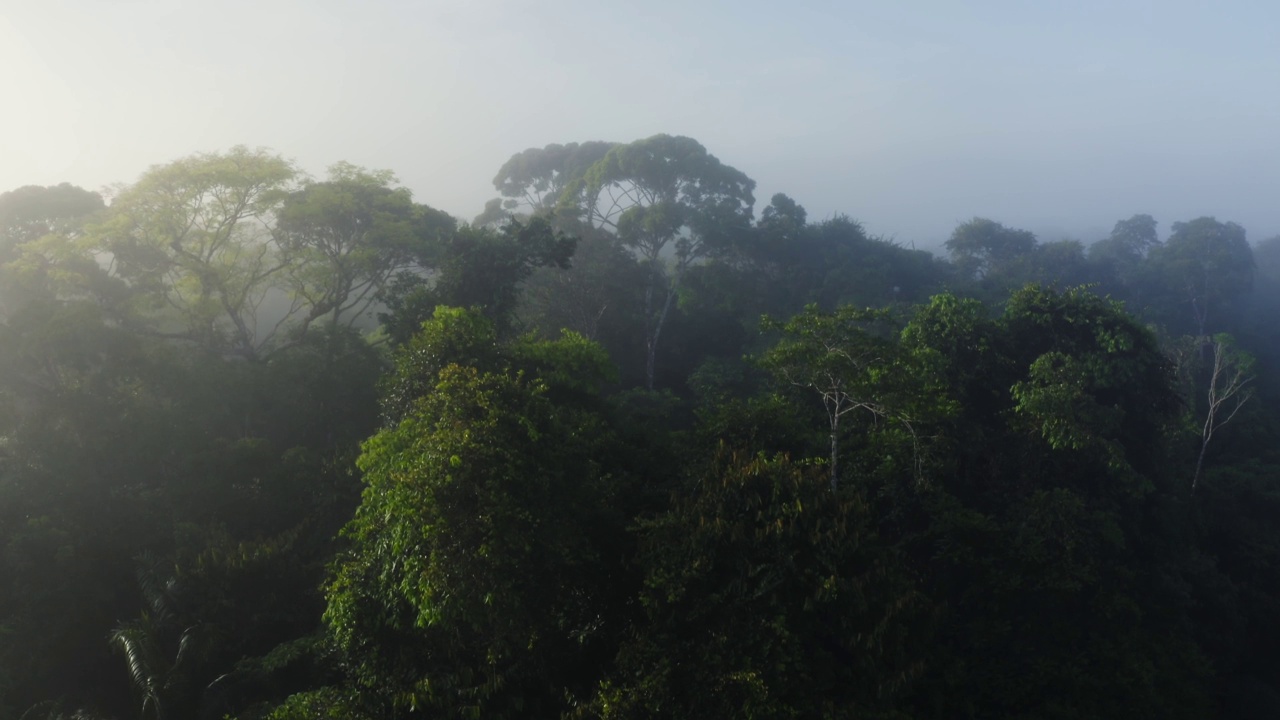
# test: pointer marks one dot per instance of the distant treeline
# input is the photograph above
(274, 447)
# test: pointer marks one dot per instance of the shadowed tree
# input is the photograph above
(599, 296)
(476, 267)
(768, 596)
(158, 648)
(1045, 532)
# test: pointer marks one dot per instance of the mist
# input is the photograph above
(568, 361)
(1060, 120)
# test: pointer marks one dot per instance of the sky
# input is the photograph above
(911, 117)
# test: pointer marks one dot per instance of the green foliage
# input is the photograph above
(662, 195)
(655, 187)
(184, 376)
(324, 704)
(957, 332)
(1040, 534)
(1056, 399)
(1095, 376)
(783, 220)
(452, 336)
(348, 236)
(479, 268)
(853, 361)
(484, 269)
(157, 647)
(572, 363)
(476, 575)
(194, 239)
(1061, 263)
(601, 296)
(115, 443)
(785, 265)
(767, 596)
(35, 219)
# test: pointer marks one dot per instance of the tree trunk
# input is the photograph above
(651, 343)
(835, 455)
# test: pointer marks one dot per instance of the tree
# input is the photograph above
(27, 215)
(1206, 265)
(767, 596)
(537, 178)
(1129, 242)
(1046, 535)
(782, 221)
(476, 577)
(32, 211)
(194, 238)
(157, 648)
(1267, 255)
(484, 269)
(115, 438)
(599, 296)
(663, 195)
(852, 367)
(477, 267)
(1061, 263)
(347, 237)
(983, 248)
(787, 263)
(451, 336)
(1230, 371)
(1095, 379)
(1120, 259)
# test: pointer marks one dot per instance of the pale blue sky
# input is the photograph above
(1057, 117)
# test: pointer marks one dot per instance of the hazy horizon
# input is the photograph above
(1057, 120)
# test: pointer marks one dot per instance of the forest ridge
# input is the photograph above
(279, 447)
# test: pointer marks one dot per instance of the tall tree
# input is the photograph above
(32, 211)
(854, 365)
(476, 578)
(665, 197)
(983, 248)
(1129, 242)
(347, 238)
(1120, 259)
(1207, 267)
(195, 238)
(537, 178)
(29, 214)
(476, 267)
(1230, 372)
